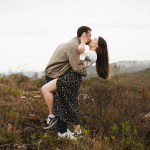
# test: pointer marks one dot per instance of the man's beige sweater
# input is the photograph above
(65, 56)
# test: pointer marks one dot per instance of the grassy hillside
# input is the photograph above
(129, 66)
(142, 76)
(132, 66)
(114, 114)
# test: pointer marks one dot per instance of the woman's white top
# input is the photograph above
(89, 57)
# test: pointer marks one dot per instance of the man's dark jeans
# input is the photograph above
(62, 126)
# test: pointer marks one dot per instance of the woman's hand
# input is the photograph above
(84, 38)
(81, 47)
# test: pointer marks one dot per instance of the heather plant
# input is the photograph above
(112, 114)
(115, 111)
(119, 73)
(147, 76)
(20, 80)
(39, 82)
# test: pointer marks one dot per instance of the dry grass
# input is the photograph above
(112, 114)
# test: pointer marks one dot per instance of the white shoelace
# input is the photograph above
(78, 132)
(48, 120)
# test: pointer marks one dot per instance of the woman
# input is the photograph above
(67, 86)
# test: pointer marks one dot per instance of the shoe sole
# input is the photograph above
(79, 137)
(51, 125)
(66, 138)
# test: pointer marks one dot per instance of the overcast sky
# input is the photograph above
(30, 30)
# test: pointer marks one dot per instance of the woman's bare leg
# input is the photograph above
(77, 128)
(48, 89)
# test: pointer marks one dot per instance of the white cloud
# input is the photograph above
(31, 30)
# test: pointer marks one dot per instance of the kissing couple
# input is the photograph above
(63, 76)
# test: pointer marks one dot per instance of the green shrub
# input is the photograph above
(39, 82)
(18, 78)
(10, 90)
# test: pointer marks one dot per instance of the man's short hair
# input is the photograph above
(82, 29)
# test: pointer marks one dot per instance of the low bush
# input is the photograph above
(113, 116)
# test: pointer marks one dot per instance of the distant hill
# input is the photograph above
(26, 73)
(130, 66)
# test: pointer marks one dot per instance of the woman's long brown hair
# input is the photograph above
(102, 62)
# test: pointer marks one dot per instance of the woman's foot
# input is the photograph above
(50, 122)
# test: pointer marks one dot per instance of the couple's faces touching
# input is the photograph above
(88, 37)
(92, 42)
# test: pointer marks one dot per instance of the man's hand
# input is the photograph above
(84, 38)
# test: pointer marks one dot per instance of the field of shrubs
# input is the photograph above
(114, 114)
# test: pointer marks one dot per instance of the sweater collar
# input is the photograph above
(77, 39)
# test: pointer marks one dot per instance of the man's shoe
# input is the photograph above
(67, 135)
(70, 132)
(78, 134)
(50, 122)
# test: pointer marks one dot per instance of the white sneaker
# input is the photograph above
(78, 134)
(66, 135)
(70, 132)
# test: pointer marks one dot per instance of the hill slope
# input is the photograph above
(130, 66)
(142, 76)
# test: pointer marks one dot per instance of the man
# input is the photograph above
(65, 56)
